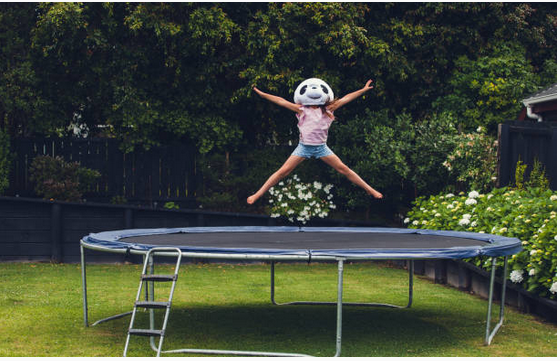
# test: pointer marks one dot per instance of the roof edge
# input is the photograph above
(536, 100)
(544, 95)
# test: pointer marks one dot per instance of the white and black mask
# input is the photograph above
(313, 91)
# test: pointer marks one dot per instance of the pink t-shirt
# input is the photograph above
(314, 125)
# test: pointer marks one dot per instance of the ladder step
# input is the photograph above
(159, 278)
(145, 332)
(152, 304)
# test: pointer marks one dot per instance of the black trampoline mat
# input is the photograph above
(305, 240)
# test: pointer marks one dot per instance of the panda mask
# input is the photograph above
(313, 91)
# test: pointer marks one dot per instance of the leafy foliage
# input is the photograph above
(398, 156)
(537, 177)
(160, 71)
(473, 161)
(520, 170)
(488, 90)
(57, 179)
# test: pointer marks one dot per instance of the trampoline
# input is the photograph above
(306, 244)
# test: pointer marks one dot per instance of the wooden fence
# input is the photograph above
(527, 141)
(169, 173)
(163, 174)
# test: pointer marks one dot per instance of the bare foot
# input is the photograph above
(376, 194)
(252, 199)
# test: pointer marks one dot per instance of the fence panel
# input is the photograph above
(160, 174)
(526, 141)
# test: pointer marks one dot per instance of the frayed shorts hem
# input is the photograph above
(312, 151)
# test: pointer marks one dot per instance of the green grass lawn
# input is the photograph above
(223, 306)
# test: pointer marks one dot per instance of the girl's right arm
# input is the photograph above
(278, 100)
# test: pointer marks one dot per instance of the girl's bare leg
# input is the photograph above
(290, 164)
(335, 162)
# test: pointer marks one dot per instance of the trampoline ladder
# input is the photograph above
(145, 279)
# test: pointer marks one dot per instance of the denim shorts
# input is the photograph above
(312, 151)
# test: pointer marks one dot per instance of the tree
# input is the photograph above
(181, 88)
(22, 106)
(156, 73)
(487, 91)
(147, 70)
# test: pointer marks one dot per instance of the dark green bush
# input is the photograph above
(57, 179)
(395, 155)
(473, 162)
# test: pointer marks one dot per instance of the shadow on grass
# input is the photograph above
(302, 329)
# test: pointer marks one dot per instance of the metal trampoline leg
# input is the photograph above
(84, 285)
(339, 309)
(410, 282)
(272, 283)
(84, 292)
(490, 335)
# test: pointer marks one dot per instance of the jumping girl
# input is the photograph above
(314, 107)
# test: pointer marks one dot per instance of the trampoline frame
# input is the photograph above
(489, 331)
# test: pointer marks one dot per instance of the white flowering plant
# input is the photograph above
(527, 214)
(299, 202)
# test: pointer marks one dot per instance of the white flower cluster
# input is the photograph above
(466, 220)
(501, 231)
(301, 201)
(516, 276)
(474, 194)
(472, 198)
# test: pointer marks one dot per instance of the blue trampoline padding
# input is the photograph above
(324, 242)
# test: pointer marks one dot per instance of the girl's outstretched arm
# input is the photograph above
(278, 100)
(349, 97)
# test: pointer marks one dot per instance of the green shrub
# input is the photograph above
(5, 160)
(520, 170)
(57, 179)
(527, 214)
(403, 158)
(473, 161)
(537, 178)
(171, 205)
(395, 154)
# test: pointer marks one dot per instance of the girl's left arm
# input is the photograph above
(349, 97)
(278, 100)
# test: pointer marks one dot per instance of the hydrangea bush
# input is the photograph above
(527, 214)
(299, 201)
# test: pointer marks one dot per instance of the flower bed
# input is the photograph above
(527, 214)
